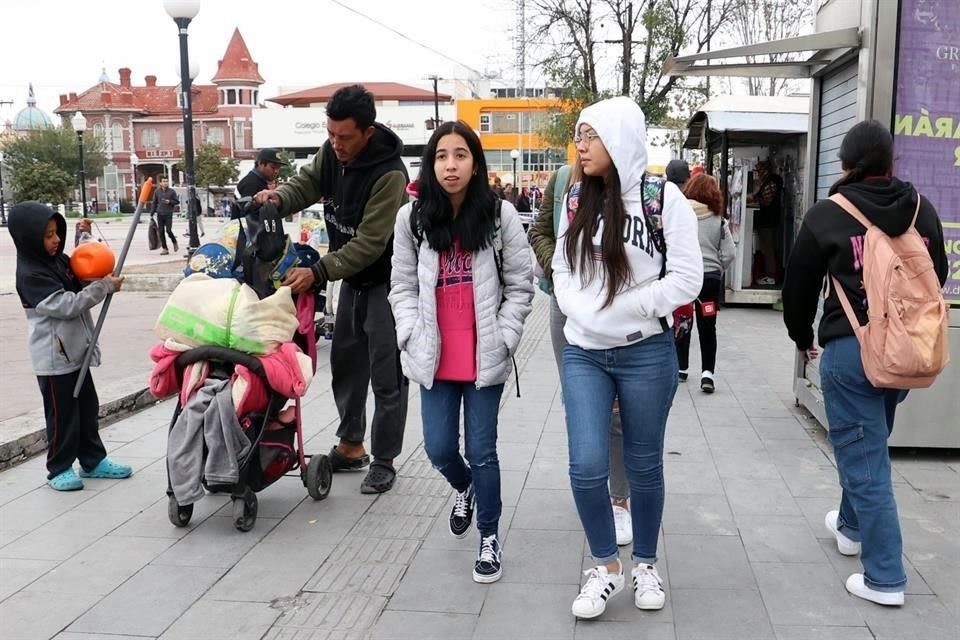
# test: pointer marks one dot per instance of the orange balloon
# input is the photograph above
(92, 261)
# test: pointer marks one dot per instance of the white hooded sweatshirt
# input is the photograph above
(637, 308)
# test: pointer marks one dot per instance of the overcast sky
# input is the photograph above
(61, 46)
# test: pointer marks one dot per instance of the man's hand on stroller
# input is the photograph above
(300, 279)
(267, 195)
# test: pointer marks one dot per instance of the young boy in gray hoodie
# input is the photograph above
(58, 312)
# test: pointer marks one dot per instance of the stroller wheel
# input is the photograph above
(179, 515)
(245, 510)
(319, 477)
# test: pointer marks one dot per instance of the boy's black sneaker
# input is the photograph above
(461, 516)
(488, 568)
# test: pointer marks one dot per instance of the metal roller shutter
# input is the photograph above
(838, 113)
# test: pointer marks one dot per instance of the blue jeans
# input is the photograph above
(861, 420)
(440, 409)
(644, 378)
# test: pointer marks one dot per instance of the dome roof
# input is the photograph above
(31, 117)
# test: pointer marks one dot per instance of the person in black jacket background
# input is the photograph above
(860, 415)
(266, 170)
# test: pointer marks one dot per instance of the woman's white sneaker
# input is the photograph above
(648, 588)
(859, 588)
(624, 525)
(601, 585)
(845, 545)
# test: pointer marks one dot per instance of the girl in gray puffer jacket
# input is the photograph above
(461, 287)
(58, 311)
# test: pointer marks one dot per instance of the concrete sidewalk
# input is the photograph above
(743, 551)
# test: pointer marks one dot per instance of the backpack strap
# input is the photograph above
(847, 307)
(559, 196)
(841, 201)
(916, 212)
(652, 200)
(498, 242)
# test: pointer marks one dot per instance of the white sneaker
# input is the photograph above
(648, 588)
(624, 524)
(857, 587)
(600, 586)
(845, 545)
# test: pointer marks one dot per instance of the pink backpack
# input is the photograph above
(904, 343)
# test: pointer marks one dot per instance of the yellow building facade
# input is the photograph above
(508, 124)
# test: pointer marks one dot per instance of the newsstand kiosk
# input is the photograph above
(896, 61)
(736, 133)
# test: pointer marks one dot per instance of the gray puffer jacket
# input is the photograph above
(500, 311)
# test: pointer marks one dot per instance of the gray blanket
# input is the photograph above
(208, 418)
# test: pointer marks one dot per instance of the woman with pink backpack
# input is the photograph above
(875, 238)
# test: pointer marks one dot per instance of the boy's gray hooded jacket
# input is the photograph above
(58, 309)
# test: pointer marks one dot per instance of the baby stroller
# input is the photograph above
(276, 439)
(276, 444)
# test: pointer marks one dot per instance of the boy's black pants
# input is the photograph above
(73, 424)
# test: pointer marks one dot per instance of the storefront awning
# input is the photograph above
(826, 47)
(748, 119)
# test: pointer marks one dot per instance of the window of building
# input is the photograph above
(116, 136)
(485, 126)
(231, 96)
(256, 96)
(98, 130)
(215, 136)
(239, 142)
(180, 137)
(150, 137)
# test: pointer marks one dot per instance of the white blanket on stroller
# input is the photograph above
(207, 419)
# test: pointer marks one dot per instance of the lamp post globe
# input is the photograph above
(79, 123)
(182, 12)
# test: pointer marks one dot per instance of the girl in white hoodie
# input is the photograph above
(618, 273)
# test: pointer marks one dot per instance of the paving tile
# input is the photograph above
(269, 572)
(779, 539)
(149, 602)
(804, 482)
(333, 612)
(512, 484)
(921, 618)
(823, 633)
(31, 615)
(547, 509)
(409, 505)
(805, 595)
(72, 635)
(212, 620)
(152, 522)
(215, 543)
(417, 625)
(772, 429)
(638, 629)
(324, 522)
(541, 557)
(103, 566)
(732, 438)
(687, 448)
(748, 497)
(15, 574)
(447, 576)
(516, 457)
(720, 614)
(548, 473)
(691, 477)
(708, 562)
(44, 545)
(392, 526)
(507, 604)
(698, 515)
(33, 509)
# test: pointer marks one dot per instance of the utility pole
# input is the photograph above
(709, 36)
(520, 46)
(626, 58)
(3, 196)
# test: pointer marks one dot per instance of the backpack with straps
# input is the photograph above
(652, 199)
(904, 343)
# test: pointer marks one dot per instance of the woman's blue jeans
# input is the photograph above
(644, 378)
(861, 420)
(440, 410)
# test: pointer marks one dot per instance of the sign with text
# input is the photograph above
(927, 122)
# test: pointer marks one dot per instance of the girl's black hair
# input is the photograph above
(867, 150)
(599, 201)
(432, 212)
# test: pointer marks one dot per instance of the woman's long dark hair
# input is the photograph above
(599, 200)
(866, 150)
(433, 213)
